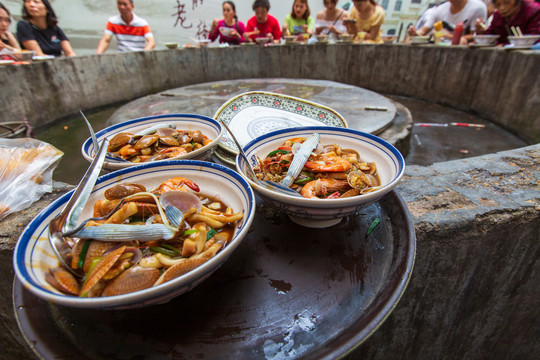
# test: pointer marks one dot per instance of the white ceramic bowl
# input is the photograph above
(485, 39)
(33, 254)
(203, 42)
(523, 41)
(225, 31)
(323, 38)
(346, 37)
(290, 39)
(208, 126)
(262, 40)
(389, 39)
(23, 55)
(320, 213)
(171, 45)
(419, 39)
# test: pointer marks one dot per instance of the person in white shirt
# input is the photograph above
(452, 13)
(132, 32)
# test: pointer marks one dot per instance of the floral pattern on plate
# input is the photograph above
(256, 113)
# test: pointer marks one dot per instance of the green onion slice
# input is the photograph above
(170, 247)
(162, 250)
(373, 226)
(210, 234)
(303, 181)
(278, 152)
(192, 231)
(82, 255)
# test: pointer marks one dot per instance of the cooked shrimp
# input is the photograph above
(328, 163)
(176, 183)
(323, 187)
(174, 151)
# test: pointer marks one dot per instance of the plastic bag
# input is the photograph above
(26, 167)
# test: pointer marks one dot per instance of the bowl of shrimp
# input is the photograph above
(347, 171)
(157, 138)
(147, 234)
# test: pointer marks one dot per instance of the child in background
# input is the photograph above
(299, 22)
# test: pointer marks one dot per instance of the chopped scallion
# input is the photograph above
(170, 247)
(278, 151)
(303, 181)
(82, 255)
(210, 234)
(162, 250)
(192, 231)
(373, 226)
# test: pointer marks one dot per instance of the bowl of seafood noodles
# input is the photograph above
(157, 138)
(172, 224)
(346, 172)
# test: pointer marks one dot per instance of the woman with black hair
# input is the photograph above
(39, 31)
(229, 29)
(8, 40)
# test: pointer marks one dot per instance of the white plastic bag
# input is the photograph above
(26, 167)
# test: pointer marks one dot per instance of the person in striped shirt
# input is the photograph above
(132, 32)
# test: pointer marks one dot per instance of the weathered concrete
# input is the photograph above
(473, 293)
(502, 86)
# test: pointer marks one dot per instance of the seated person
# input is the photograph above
(229, 29)
(330, 20)
(422, 19)
(262, 24)
(451, 13)
(132, 32)
(39, 31)
(522, 14)
(299, 21)
(8, 40)
(366, 16)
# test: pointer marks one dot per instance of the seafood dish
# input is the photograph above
(139, 238)
(158, 142)
(331, 172)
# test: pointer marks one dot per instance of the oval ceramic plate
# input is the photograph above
(33, 254)
(43, 57)
(252, 114)
(208, 126)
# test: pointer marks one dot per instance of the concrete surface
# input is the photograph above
(474, 289)
(502, 86)
(473, 293)
(205, 99)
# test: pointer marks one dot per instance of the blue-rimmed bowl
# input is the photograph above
(33, 255)
(321, 213)
(208, 126)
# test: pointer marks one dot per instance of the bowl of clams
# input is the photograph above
(146, 234)
(343, 173)
(156, 138)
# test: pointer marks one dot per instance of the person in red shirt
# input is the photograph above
(262, 24)
(522, 14)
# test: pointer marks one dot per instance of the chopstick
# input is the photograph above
(516, 31)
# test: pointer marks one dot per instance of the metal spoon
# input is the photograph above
(270, 185)
(96, 143)
(68, 217)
